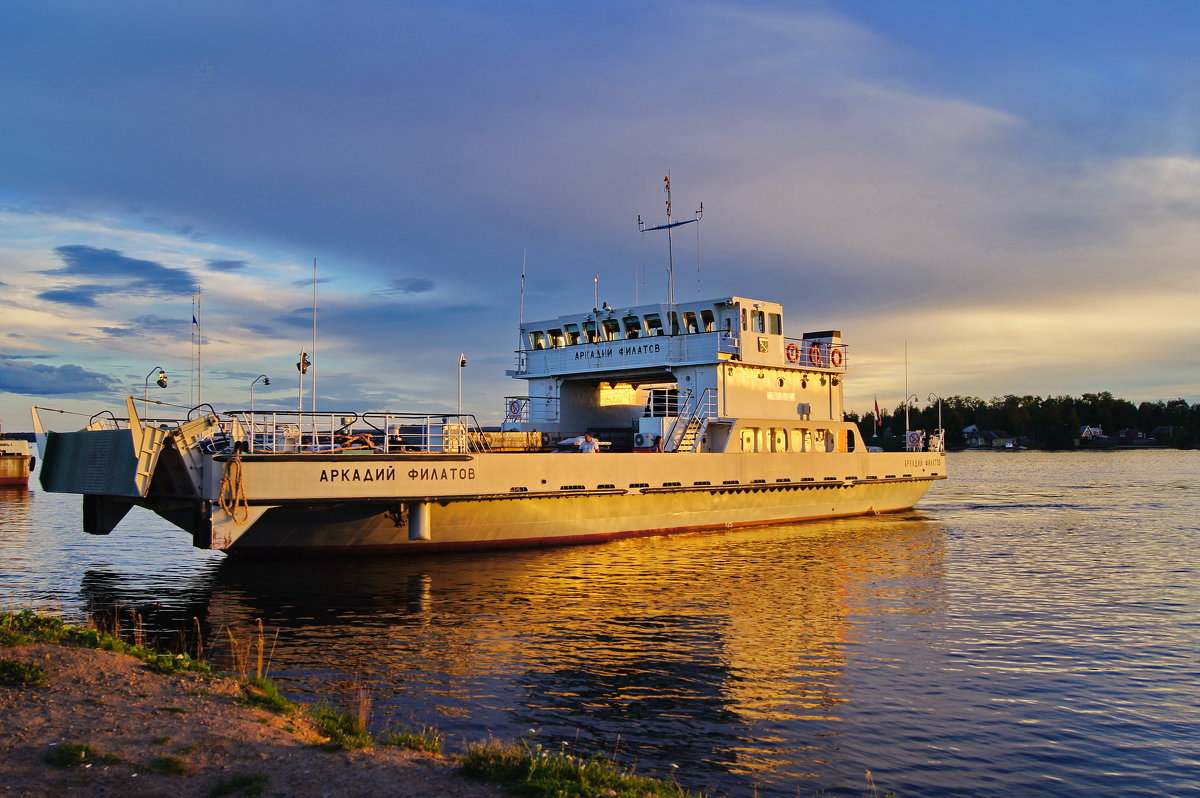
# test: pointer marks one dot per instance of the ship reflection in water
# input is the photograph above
(725, 654)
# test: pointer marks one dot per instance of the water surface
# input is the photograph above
(1031, 628)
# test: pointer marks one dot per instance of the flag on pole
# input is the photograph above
(878, 423)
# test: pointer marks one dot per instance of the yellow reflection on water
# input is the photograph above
(749, 628)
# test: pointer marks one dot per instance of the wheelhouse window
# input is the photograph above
(775, 322)
(709, 319)
(556, 339)
(758, 321)
(689, 322)
(537, 339)
(572, 331)
(654, 324)
(612, 330)
(593, 334)
(674, 322)
(633, 327)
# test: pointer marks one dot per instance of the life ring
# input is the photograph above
(793, 353)
(835, 358)
(514, 409)
(814, 355)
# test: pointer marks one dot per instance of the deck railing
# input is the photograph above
(531, 409)
(307, 432)
(302, 432)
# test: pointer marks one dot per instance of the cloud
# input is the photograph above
(258, 329)
(128, 276)
(226, 265)
(406, 285)
(309, 281)
(117, 332)
(149, 325)
(37, 379)
(83, 296)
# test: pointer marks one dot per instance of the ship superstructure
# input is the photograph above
(707, 376)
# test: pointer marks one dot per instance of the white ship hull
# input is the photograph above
(554, 519)
(496, 500)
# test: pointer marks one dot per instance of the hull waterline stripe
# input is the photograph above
(570, 494)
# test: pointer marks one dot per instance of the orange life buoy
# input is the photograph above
(793, 353)
(835, 358)
(814, 355)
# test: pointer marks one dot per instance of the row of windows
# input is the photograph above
(650, 325)
(779, 439)
(762, 322)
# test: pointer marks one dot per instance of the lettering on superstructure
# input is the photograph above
(622, 351)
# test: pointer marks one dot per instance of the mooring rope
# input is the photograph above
(233, 491)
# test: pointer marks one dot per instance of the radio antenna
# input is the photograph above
(521, 307)
(671, 224)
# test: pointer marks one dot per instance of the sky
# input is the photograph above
(986, 198)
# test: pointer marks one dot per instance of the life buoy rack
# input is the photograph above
(835, 358)
(814, 355)
(514, 409)
(793, 353)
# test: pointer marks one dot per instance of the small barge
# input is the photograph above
(15, 461)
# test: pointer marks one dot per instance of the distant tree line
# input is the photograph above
(1053, 422)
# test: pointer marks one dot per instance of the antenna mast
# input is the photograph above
(521, 309)
(198, 318)
(312, 383)
(671, 224)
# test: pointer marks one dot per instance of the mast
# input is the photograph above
(521, 307)
(199, 319)
(670, 225)
(312, 384)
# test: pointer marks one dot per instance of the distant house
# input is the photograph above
(1165, 433)
(1087, 433)
(976, 438)
(1132, 436)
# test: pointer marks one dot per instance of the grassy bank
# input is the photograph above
(521, 767)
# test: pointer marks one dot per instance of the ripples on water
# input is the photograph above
(1031, 629)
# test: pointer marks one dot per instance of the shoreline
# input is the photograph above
(87, 713)
(185, 734)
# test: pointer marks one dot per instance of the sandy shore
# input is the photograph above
(158, 725)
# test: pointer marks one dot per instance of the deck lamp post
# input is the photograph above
(265, 381)
(933, 397)
(912, 398)
(161, 381)
(462, 364)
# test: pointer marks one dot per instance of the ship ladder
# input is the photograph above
(692, 435)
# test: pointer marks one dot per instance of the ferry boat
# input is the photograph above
(643, 420)
(15, 461)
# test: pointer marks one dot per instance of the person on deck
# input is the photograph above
(589, 445)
